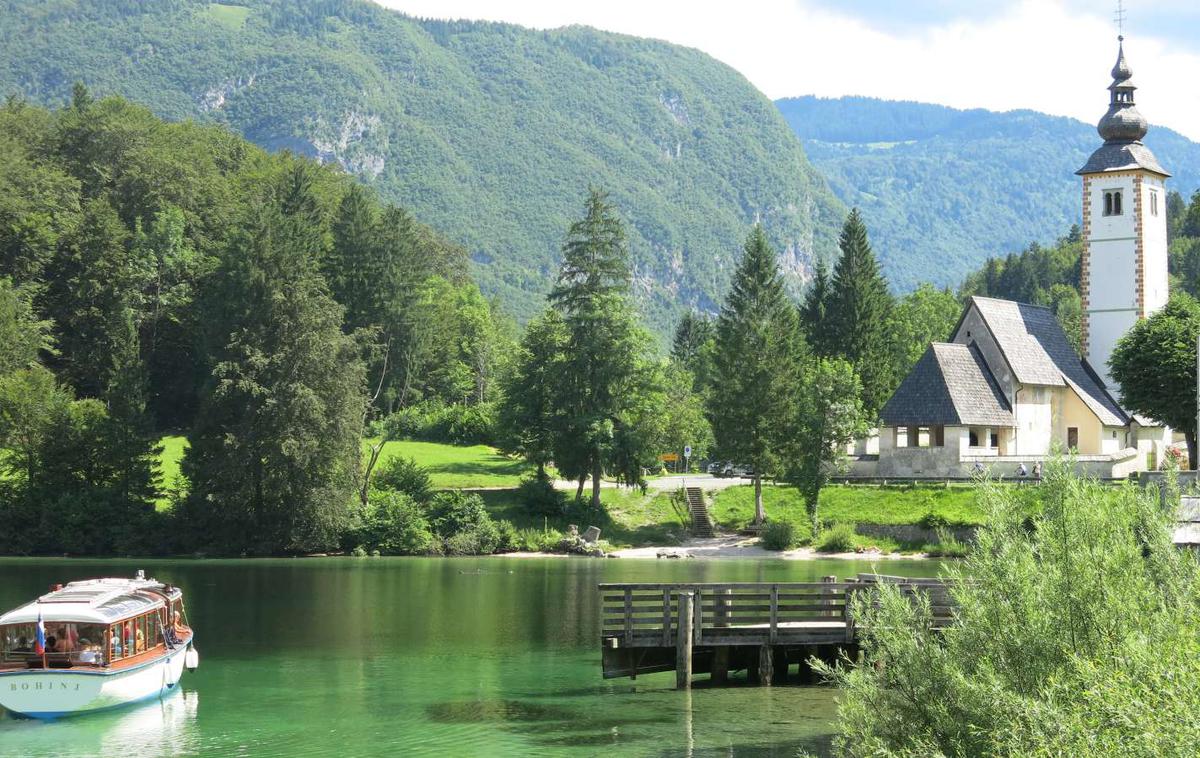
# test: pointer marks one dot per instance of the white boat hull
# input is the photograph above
(54, 693)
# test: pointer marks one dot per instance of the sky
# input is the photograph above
(1052, 56)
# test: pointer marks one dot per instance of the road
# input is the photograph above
(668, 483)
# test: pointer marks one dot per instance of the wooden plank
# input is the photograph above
(629, 615)
(698, 621)
(774, 612)
(666, 617)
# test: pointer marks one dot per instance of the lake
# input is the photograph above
(424, 656)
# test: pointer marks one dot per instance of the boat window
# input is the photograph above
(67, 644)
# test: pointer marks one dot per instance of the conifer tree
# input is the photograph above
(604, 346)
(755, 365)
(858, 312)
(813, 312)
(692, 347)
(529, 416)
(274, 457)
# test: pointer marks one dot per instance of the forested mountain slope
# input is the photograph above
(942, 189)
(490, 133)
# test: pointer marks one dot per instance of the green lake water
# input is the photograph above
(416, 656)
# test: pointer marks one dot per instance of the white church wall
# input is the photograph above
(1154, 242)
(1035, 420)
(1072, 412)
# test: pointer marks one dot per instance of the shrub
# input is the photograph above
(457, 511)
(1078, 637)
(396, 524)
(540, 498)
(839, 538)
(779, 535)
(405, 475)
(434, 421)
(478, 539)
(508, 541)
(933, 522)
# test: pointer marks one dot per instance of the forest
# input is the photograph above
(488, 132)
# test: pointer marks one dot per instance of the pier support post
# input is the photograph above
(720, 665)
(766, 670)
(683, 643)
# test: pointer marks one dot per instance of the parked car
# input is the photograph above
(715, 468)
(741, 470)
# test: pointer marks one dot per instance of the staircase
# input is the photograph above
(702, 525)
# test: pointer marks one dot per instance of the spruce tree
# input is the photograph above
(529, 418)
(692, 346)
(813, 312)
(858, 312)
(600, 376)
(755, 365)
(274, 456)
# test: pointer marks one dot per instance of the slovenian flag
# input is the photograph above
(39, 638)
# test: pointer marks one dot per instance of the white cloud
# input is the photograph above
(1038, 54)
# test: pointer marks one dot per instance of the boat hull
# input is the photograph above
(54, 693)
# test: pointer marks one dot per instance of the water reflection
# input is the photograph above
(422, 657)
(165, 727)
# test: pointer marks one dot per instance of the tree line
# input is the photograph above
(170, 277)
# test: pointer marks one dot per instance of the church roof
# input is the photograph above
(1122, 156)
(1037, 350)
(950, 386)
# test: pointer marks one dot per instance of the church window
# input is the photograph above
(1112, 202)
(994, 440)
(1153, 203)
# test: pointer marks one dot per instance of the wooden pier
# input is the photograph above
(761, 628)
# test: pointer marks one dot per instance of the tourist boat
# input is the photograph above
(93, 645)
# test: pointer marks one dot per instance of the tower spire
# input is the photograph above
(1122, 122)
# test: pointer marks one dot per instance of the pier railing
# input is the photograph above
(647, 615)
(656, 627)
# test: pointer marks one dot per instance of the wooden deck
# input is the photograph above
(716, 628)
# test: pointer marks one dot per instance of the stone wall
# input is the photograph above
(913, 533)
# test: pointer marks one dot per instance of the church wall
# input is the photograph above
(1035, 419)
(1072, 412)
(1154, 245)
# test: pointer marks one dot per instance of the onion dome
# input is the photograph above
(1122, 123)
(1122, 128)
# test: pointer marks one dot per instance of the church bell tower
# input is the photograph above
(1124, 270)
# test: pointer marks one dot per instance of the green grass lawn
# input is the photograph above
(450, 466)
(857, 504)
(230, 16)
(459, 467)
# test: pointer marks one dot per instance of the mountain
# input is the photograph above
(942, 189)
(490, 133)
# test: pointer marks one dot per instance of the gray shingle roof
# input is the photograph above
(1037, 349)
(1122, 156)
(950, 385)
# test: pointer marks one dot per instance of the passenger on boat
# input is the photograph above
(114, 647)
(52, 644)
(141, 639)
(129, 638)
(23, 646)
(88, 652)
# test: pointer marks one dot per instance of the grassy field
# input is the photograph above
(449, 466)
(230, 16)
(629, 519)
(857, 505)
(453, 466)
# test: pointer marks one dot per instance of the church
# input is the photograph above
(1007, 388)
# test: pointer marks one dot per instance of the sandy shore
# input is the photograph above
(747, 547)
(729, 546)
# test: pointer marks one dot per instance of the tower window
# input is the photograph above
(1153, 203)
(1112, 202)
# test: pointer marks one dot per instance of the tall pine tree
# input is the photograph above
(274, 456)
(858, 312)
(600, 375)
(814, 310)
(755, 365)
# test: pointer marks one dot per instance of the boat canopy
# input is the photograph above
(95, 601)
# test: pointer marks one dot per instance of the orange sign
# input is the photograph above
(669, 457)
